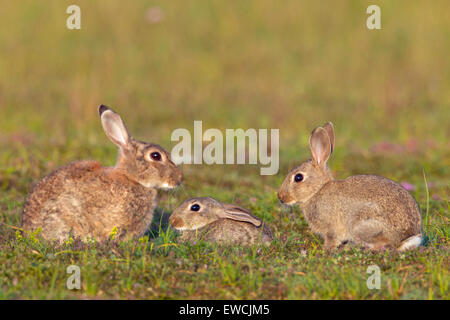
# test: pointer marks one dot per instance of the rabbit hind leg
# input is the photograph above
(55, 225)
(371, 234)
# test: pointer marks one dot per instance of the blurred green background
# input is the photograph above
(232, 64)
(250, 64)
(290, 65)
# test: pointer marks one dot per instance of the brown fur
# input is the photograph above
(217, 222)
(88, 201)
(229, 231)
(369, 210)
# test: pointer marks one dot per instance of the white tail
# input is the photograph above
(411, 243)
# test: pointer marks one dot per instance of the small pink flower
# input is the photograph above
(436, 197)
(387, 147)
(412, 145)
(252, 200)
(408, 186)
(154, 15)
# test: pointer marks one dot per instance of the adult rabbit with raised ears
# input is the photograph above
(86, 200)
(369, 210)
(210, 220)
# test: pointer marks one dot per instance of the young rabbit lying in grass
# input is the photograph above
(90, 201)
(210, 220)
(369, 210)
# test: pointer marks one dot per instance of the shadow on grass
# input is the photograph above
(160, 223)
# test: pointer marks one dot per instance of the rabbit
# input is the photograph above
(88, 201)
(372, 211)
(210, 220)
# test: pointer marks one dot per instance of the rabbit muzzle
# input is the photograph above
(285, 198)
(174, 180)
(176, 222)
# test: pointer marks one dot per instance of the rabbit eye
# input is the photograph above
(298, 177)
(155, 156)
(195, 207)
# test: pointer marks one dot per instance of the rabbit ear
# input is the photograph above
(114, 127)
(240, 214)
(320, 146)
(330, 130)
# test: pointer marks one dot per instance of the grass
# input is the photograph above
(294, 66)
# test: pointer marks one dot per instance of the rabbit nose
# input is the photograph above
(175, 222)
(282, 196)
(177, 177)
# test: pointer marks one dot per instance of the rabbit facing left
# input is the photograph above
(207, 219)
(86, 200)
(372, 211)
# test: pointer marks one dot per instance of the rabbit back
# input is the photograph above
(86, 200)
(227, 231)
(364, 207)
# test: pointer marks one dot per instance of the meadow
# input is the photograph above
(232, 64)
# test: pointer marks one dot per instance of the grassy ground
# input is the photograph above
(232, 64)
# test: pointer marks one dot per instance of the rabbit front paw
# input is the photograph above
(331, 243)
